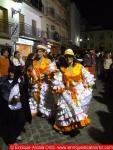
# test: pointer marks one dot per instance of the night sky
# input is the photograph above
(96, 12)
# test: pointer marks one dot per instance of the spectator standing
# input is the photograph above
(107, 63)
(87, 59)
(18, 63)
(99, 64)
(4, 64)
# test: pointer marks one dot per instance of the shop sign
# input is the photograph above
(25, 41)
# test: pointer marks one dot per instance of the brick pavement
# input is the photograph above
(40, 131)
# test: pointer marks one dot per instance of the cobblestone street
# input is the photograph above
(40, 131)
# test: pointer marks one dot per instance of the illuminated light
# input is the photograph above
(15, 5)
(25, 41)
(81, 40)
(15, 11)
(77, 39)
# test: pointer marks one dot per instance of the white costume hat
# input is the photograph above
(69, 52)
(42, 47)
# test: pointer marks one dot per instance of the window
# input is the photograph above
(3, 20)
(85, 45)
(34, 27)
(101, 44)
(21, 24)
(91, 45)
(91, 36)
(47, 30)
(1, 14)
(38, 4)
(110, 45)
(111, 35)
(101, 37)
(52, 27)
(85, 37)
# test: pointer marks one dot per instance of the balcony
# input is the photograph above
(57, 18)
(51, 12)
(54, 36)
(28, 31)
(8, 30)
(36, 4)
(37, 34)
(5, 29)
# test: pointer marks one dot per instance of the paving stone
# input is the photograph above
(41, 131)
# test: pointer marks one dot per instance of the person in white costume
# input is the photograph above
(74, 99)
(41, 73)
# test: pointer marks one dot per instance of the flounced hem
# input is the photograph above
(73, 126)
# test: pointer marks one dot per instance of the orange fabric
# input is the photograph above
(69, 76)
(36, 96)
(4, 66)
(84, 122)
(92, 70)
(42, 67)
(58, 91)
(73, 75)
(66, 128)
(76, 125)
(74, 96)
(87, 68)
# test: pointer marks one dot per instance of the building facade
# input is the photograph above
(100, 39)
(75, 24)
(26, 23)
(17, 20)
(55, 23)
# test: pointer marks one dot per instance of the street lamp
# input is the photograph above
(17, 8)
(15, 11)
(81, 40)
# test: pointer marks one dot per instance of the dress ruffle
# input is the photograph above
(74, 101)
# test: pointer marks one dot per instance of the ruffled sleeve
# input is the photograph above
(88, 78)
(57, 83)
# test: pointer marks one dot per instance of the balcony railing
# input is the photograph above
(37, 4)
(5, 29)
(51, 13)
(29, 31)
(8, 30)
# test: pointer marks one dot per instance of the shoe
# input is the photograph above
(60, 132)
(19, 138)
(43, 116)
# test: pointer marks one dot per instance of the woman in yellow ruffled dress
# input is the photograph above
(73, 102)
